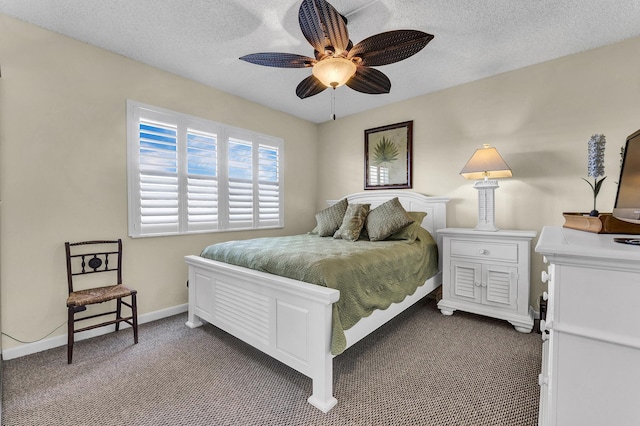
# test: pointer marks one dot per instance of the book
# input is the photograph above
(604, 223)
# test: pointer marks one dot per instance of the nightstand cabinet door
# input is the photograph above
(466, 281)
(501, 286)
(487, 273)
(492, 285)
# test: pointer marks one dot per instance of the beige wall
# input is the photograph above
(63, 170)
(540, 118)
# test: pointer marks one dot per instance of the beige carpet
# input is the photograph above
(421, 369)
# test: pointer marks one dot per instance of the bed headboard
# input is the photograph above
(435, 207)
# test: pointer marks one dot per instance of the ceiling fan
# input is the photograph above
(337, 60)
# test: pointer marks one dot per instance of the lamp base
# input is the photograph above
(485, 227)
(486, 205)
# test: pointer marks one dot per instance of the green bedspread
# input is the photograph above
(369, 275)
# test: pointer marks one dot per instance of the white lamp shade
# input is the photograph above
(486, 163)
(334, 72)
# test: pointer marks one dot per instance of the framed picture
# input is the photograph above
(387, 156)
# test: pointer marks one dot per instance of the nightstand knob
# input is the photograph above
(544, 259)
(545, 295)
(482, 251)
(545, 276)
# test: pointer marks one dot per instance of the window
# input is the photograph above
(189, 175)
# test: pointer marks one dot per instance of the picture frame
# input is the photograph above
(388, 154)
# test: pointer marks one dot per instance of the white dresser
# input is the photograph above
(591, 350)
(487, 273)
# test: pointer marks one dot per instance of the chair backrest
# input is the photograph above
(91, 257)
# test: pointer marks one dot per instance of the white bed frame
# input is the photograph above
(290, 320)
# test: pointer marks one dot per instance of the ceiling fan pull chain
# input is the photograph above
(333, 103)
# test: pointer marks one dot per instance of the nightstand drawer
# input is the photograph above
(505, 252)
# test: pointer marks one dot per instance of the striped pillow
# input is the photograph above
(353, 222)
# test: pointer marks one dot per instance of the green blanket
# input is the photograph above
(369, 275)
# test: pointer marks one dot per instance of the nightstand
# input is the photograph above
(487, 273)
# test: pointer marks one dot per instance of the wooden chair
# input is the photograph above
(92, 257)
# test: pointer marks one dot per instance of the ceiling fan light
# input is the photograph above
(334, 72)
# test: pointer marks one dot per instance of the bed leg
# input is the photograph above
(322, 397)
(193, 324)
(192, 320)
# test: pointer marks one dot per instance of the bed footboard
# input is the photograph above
(286, 319)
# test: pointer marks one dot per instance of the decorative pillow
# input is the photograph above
(353, 222)
(387, 218)
(409, 232)
(330, 219)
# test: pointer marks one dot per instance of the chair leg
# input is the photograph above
(118, 313)
(134, 314)
(70, 334)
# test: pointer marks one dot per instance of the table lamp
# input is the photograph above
(486, 163)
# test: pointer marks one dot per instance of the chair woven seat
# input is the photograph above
(98, 295)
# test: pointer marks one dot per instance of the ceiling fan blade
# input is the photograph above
(370, 81)
(279, 60)
(389, 47)
(309, 86)
(323, 26)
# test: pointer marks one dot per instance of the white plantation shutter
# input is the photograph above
(191, 175)
(240, 188)
(202, 181)
(158, 177)
(269, 206)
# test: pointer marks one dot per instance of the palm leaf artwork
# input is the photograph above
(385, 152)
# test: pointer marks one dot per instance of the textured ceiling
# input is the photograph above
(203, 39)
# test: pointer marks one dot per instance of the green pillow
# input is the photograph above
(353, 222)
(409, 232)
(387, 218)
(330, 219)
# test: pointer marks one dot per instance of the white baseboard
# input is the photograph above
(54, 342)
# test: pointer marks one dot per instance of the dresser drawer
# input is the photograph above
(505, 252)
